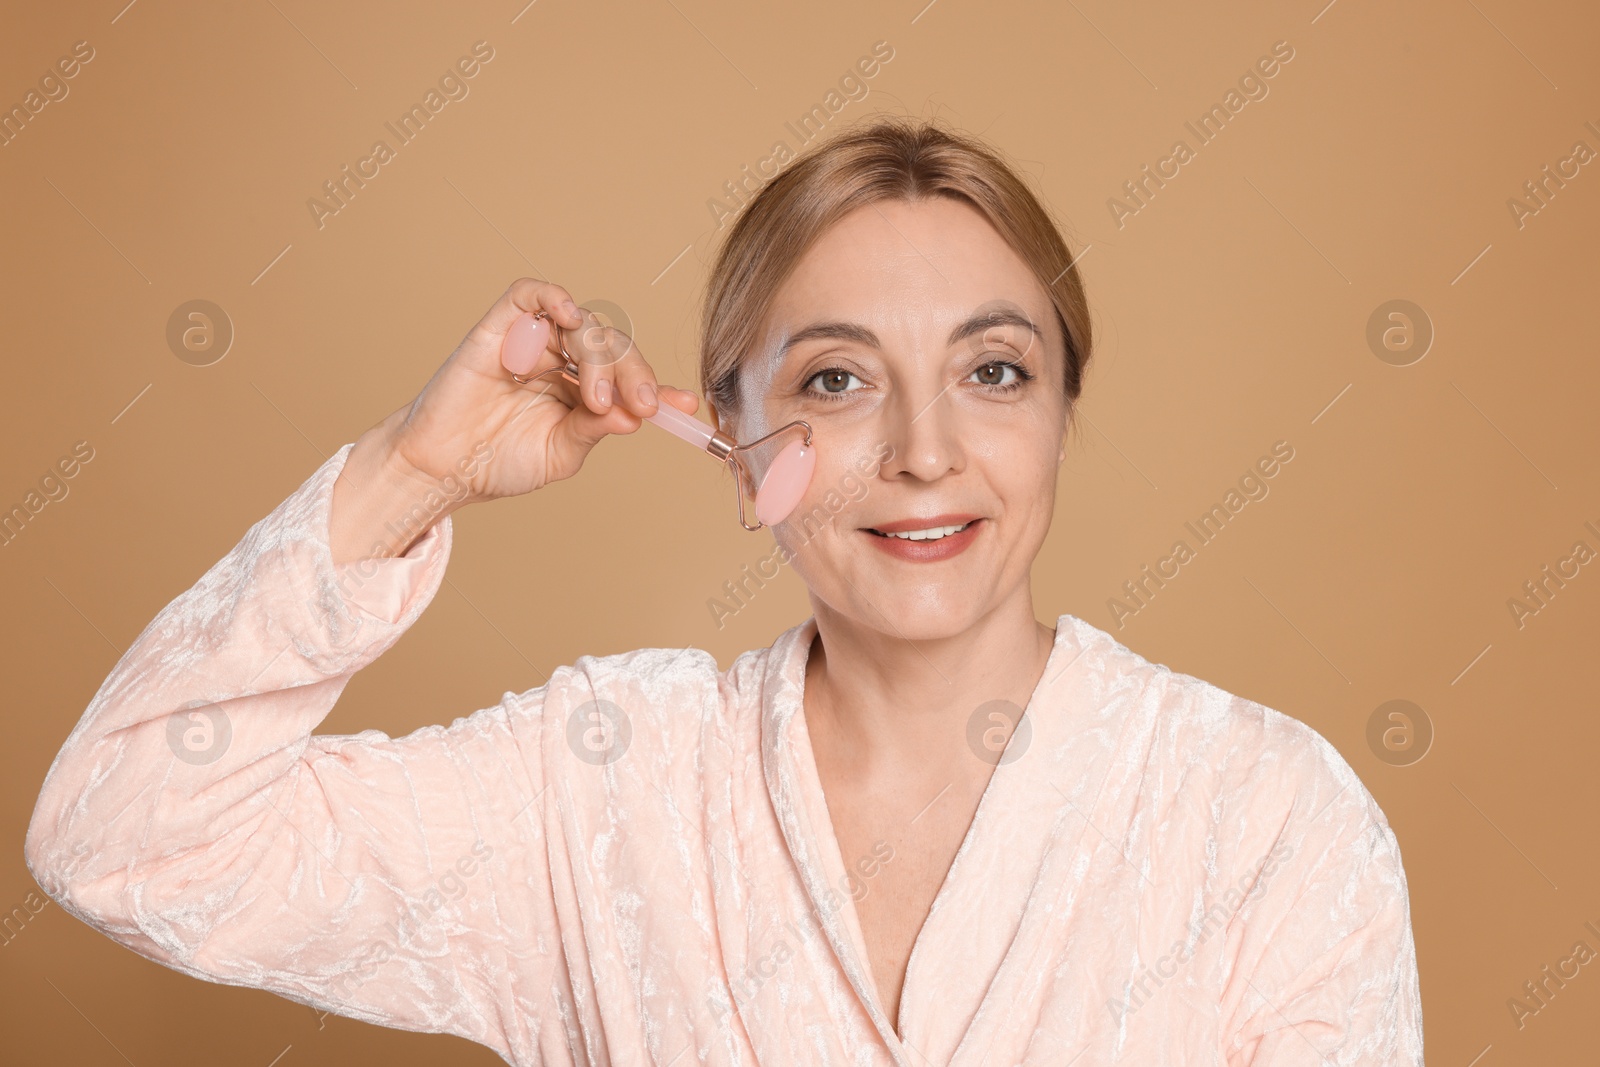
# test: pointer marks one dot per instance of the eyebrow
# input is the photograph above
(852, 331)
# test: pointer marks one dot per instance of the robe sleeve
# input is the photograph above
(192, 816)
(1321, 965)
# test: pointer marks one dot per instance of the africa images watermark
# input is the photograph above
(743, 987)
(1249, 886)
(1252, 486)
(855, 483)
(1539, 993)
(13, 922)
(1537, 592)
(202, 732)
(414, 523)
(452, 87)
(810, 126)
(1540, 191)
(414, 915)
(53, 487)
(1252, 85)
(53, 89)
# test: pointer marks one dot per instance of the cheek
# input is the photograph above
(846, 477)
(752, 388)
(1020, 468)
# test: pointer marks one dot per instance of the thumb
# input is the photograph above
(682, 399)
(580, 429)
(486, 340)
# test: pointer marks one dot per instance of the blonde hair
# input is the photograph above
(891, 158)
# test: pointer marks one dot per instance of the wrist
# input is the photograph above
(381, 504)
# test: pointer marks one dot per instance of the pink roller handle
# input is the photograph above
(680, 424)
(781, 487)
(525, 342)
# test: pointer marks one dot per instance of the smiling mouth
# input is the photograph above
(933, 533)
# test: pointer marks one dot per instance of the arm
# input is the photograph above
(192, 816)
(1322, 968)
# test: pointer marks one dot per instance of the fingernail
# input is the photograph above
(647, 392)
(569, 307)
(602, 392)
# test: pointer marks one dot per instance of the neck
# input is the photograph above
(883, 699)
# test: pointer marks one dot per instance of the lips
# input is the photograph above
(932, 533)
(931, 522)
(930, 549)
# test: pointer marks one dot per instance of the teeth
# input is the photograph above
(933, 533)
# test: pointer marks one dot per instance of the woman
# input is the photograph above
(850, 847)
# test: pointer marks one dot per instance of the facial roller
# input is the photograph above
(777, 491)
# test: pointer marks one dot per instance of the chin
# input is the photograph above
(925, 608)
(923, 627)
(914, 590)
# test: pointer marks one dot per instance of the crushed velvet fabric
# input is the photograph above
(1167, 874)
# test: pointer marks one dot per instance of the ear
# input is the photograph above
(716, 419)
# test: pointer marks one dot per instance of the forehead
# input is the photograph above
(914, 267)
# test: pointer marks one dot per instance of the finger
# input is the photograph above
(553, 386)
(636, 386)
(583, 427)
(601, 350)
(542, 369)
(484, 343)
(580, 430)
(531, 295)
(682, 399)
(571, 394)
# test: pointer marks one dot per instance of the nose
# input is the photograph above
(924, 428)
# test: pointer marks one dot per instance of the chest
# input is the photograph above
(897, 846)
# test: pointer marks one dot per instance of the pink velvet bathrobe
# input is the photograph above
(634, 864)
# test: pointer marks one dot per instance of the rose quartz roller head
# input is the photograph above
(778, 488)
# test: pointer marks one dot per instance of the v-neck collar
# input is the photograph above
(1025, 816)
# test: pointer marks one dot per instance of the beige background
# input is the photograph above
(1232, 313)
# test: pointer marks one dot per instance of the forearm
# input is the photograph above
(193, 817)
(212, 704)
(379, 508)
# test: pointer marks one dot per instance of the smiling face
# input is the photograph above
(912, 331)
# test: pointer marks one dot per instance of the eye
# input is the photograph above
(994, 375)
(834, 382)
